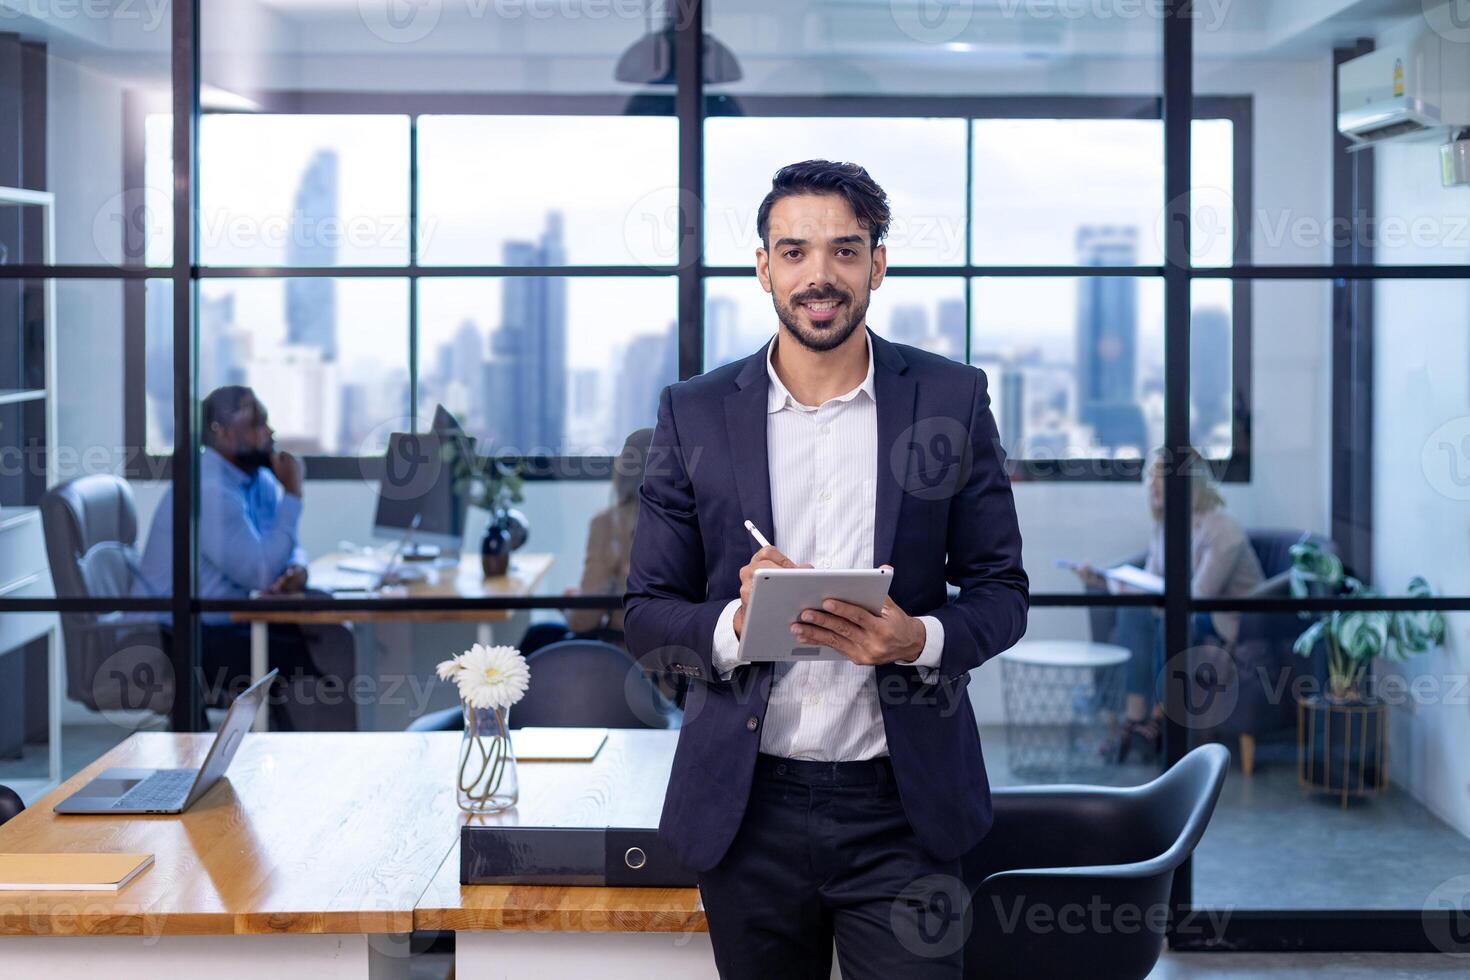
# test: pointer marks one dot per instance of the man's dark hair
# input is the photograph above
(868, 200)
(220, 405)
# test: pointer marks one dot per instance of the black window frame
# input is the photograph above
(1079, 469)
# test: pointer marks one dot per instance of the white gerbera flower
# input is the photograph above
(492, 677)
(448, 668)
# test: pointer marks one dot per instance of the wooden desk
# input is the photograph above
(322, 851)
(316, 847)
(466, 581)
(611, 933)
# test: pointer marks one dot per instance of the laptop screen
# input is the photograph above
(238, 721)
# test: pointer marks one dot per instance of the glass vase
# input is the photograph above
(487, 764)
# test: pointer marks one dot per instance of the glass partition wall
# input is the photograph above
(1137, 219)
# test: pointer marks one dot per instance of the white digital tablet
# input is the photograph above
(778, 596)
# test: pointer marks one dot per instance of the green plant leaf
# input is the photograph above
(1308, 640)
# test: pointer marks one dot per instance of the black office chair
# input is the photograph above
(112, 660)
(577, 684)
(1060, 848)
(10, 803)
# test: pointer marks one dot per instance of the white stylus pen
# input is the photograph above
(759, 537)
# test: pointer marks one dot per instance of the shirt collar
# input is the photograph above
(777, 397)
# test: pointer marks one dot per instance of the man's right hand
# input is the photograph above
(289, 470)
(765, 558)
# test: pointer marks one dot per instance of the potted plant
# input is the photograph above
(1342, 731)
(493, 485)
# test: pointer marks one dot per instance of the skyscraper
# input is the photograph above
(908, 324)
(311, 304)
(951, 329)
(650, 363)
(1209, 374)
(1107, 339)
(723, 341)
(526, 379)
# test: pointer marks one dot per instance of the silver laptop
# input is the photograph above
(171, 790)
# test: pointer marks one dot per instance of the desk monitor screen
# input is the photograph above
(418, 481)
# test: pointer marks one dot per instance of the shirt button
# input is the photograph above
(826, 430)
(826, 495)
(824, 563)
(752, 722)
(811, 700)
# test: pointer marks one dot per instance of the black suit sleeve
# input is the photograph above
(668, 618)
(984, 553)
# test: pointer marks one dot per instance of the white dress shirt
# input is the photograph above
(823, 464)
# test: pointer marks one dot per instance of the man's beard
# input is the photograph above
(829, 335)
(251, 460)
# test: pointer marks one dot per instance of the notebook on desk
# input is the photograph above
(557, 744)
(70, 872)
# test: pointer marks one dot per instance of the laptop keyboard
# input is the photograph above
(166, 789)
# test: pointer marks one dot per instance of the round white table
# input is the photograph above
(1063, 699)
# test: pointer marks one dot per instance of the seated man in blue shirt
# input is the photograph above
(249, 509)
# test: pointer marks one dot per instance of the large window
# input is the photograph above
(1066, 186)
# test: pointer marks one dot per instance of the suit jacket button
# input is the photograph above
(752, 722)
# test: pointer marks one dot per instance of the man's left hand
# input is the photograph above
(293, 579)
(892, 636)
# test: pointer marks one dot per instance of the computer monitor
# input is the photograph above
(417, 499)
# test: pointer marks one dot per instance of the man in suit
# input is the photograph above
(828, 799)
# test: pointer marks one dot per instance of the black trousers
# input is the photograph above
(824, 851)
(316, 663)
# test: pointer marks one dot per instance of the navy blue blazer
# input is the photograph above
(944, 515)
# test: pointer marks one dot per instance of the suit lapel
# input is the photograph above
(745, 423)
(896, 394)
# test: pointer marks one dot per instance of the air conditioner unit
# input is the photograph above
(1415, 90)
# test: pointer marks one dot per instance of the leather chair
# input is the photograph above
(10, 803)
(1056, 854)
(577, 684)
(113, 660)
(1260, 665)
